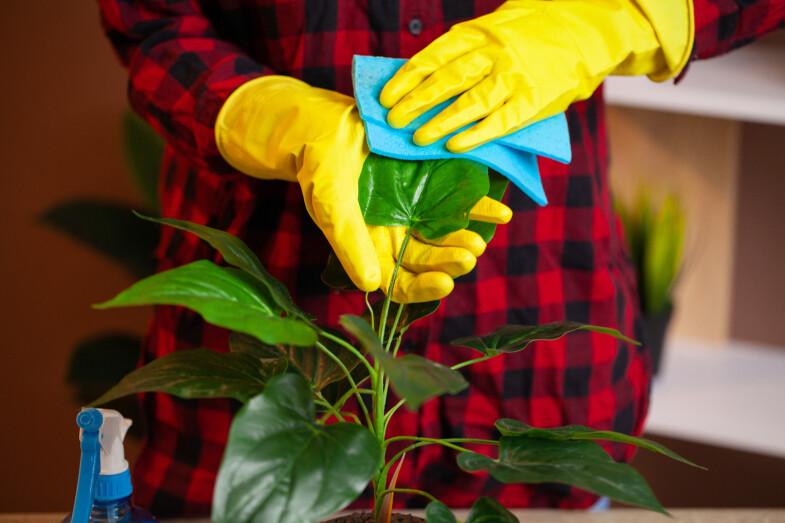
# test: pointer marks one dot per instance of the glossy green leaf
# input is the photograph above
(432, 197)
(239, 342)
(583, 464)
(411, 312)
(237, 254)
(281, 467)
(515, 338)
(224, 296)
(512, 427)
(438, 512)
(498, 186)
(197, 373)
(110, 229)
(415, 379)
(144, 150)
(488, 510)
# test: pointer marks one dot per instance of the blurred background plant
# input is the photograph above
(110, 229)
(655, 235)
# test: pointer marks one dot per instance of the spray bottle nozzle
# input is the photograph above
(90, 419)
(103, 470)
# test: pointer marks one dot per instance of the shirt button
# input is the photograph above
(415, 26)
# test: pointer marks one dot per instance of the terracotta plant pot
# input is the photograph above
(655, 329)
(367, 517)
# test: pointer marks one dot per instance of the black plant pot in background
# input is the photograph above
(655, 328)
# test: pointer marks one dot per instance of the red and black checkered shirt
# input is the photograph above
(563, 261)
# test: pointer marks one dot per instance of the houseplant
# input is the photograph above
(655, 238)
(296, 455)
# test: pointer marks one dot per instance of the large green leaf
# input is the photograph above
(415, 379)
(513, 427)
(281, 467)
(224, 296)
(438, 512)
(198, 373)
(432, 197)
(318, 368)
(583, 464)
(515, 338)
(237, 254)
(488, 510)
(484, 510)
(144, 150)
(498, 186)
(110, 229)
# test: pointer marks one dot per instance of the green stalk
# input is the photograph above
(350, 348)
(380, 384)
(349, 377)
(472, 362)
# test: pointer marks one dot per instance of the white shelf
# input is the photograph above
(732, 395)
(747, 84)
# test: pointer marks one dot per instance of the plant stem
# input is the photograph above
(331, 411)
(392, 410)
(349, 377)
(379, 380)
(407, 491)
(348, 346)
(422, 442)
(442, 440)
(370, 310)
(473, 361)
(394, 330)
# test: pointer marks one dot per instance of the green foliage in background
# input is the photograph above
(111, 230)
(296, 454)
(655, 236)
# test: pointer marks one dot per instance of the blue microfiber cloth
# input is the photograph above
(514, 155)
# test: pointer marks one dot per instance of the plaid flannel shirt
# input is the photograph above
(563, 261)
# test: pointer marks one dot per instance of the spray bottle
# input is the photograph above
(103, 491)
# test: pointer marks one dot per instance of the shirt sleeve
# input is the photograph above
(724, 25)
(180, 70)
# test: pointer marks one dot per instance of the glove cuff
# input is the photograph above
(673, 22)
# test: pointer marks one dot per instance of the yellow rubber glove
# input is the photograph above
(277, 127)
(531, 59)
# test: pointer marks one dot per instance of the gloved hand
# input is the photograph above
(530, 59)
(277, 127)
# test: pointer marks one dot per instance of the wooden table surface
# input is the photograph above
(552, 516)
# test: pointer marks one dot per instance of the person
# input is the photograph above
(254, 100)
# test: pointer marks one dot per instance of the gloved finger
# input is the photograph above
(342, 223)
(450, 80)
(421, 257)
(506, 119)
(476, 103)
(412, 287)
(441, 51)
(490, 211)
(465, 239)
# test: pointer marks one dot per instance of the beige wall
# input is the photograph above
(61, 102)
(731, 178)
(696, 157)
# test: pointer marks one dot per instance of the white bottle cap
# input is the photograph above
(112, 434)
